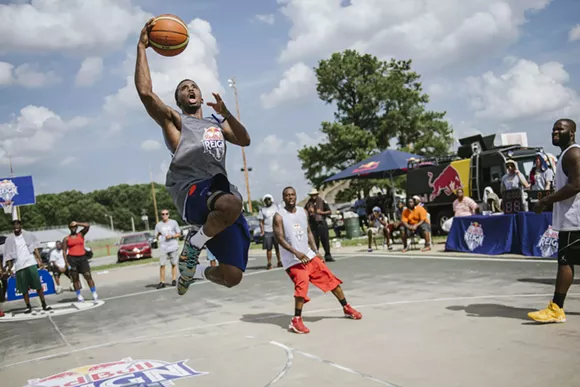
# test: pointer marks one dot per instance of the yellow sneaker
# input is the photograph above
(552, 314)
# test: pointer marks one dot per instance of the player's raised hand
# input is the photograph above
(144, 37)
(219, 105)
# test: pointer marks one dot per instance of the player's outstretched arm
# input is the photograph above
(166, 117)
(234, 131)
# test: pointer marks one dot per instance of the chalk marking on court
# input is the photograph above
(64, 339)
(275, 315)
(343, 368)
(287, 366)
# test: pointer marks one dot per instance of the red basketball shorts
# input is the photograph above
(315, 272)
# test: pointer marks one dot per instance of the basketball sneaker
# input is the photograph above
(297, 325)
(350, 312)
(188, 260)
(552, 314)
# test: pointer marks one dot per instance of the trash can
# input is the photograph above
(352, 227)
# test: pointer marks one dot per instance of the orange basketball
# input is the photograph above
(169, 36)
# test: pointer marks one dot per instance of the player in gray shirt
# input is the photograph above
(197, 179)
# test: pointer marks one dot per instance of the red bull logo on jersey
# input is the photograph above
(298, 231)
(474, 236)
(124, 373)
(367, 167)
(447, 182)
(548, 243)
(213, 143)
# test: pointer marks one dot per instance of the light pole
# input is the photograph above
(232, 84)
(111, 218)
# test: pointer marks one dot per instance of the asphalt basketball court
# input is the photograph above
(427, 321)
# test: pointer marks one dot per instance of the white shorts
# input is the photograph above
(376, 230)
(172, 256)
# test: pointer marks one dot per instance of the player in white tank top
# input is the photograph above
(565, 217)
(302, 263)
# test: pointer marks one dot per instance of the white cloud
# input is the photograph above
(150, 145)
(73, 25)
(89, 72)
(526, 90)
(26, 75)
(297, 82)
(267, 19)
(440, 32)
(574, 34)
(198, 62)
(68, 161)
(35, 131)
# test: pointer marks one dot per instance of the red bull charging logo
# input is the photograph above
(367, 167)
(213, 142)
(447, 182)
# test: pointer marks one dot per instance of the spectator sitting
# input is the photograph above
(379, 224)
(464, 205)
(418, 201)
(414, 221)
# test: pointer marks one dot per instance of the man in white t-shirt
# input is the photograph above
(167, 232)
(302, 264)
(22, 257)
(58, 265)
(266, 217)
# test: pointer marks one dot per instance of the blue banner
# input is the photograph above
(45, 280)
(480, 234)
(20, 190)
(536, 236)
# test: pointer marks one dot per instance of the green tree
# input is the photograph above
(377, 102)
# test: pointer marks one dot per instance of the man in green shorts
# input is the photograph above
(21, 254)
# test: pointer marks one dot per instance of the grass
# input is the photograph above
(123, 264)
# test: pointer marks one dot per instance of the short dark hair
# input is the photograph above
(179, 84)
(569, 122)
(288, 187)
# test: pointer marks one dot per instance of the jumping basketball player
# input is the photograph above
(197, 178)
(566, 218)
(302, 264)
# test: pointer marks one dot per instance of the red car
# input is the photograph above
(135, 246)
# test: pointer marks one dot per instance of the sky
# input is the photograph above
(71, 118)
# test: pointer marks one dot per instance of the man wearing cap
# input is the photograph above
(318, 209)
(513, 179)
(266, 217)
(378, 224)
(21, 254)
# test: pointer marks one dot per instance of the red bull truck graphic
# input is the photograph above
(446, 182)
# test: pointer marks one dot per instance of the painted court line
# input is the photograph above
(287, 366)
(274, 315)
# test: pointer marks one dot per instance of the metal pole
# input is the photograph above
(15, 209)
(233, 84)
(154, 198)
(112, 226)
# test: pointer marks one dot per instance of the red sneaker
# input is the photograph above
(350, 312)
(2, 314)
(297, 326)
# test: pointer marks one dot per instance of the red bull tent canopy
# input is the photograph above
(387, 164)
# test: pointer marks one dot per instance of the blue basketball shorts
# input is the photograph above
(230, 246)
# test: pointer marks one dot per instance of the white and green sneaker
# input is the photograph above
(188, 260)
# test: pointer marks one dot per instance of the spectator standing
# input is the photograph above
(266, 217)
(167, 232)
(21, 254)
(75, 256)
(318, 209)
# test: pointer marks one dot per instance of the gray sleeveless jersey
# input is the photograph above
(296, 234)
(200, 155)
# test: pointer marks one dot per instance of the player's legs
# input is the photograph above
(211, 203)
(324, 279)
(568, 256)
(300, 276)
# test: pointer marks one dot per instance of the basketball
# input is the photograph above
(169, 36)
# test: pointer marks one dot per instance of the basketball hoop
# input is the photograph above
(7, 205)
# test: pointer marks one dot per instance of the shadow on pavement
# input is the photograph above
(281, 320)
(545, 281)
(497, 310)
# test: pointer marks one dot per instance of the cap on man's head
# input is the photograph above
(376, 209)
(510, 161)
(16, 221)
(313, 192)
(268, 196)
